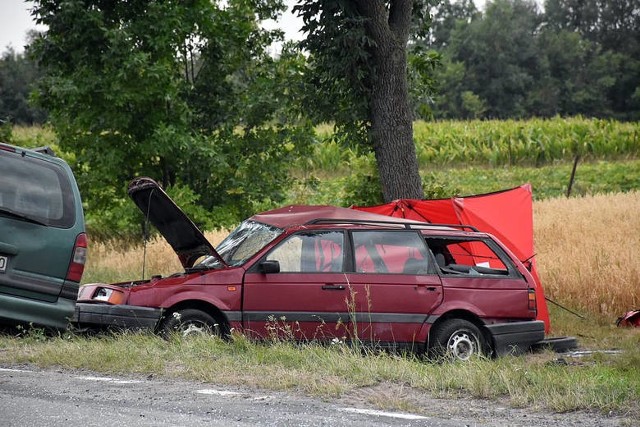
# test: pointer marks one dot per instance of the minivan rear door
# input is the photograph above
(37, 211)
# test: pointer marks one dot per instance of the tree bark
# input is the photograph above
(391, 117)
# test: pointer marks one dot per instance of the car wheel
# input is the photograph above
(190, 322)
(457, 339)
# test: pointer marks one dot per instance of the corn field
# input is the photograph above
(534, 142)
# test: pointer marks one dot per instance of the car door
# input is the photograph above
(479, 276)
(305, 296)
(393, 286)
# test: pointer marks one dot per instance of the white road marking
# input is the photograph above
(218, 392)
(384, 414)
(262, 397)
(228, 393)
(109, 380)
(13, 370)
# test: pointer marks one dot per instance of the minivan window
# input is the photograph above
(35, 190)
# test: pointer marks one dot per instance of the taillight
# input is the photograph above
(532, 300)
(76, 267)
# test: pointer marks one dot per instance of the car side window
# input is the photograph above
(386, 251)
(468, 257)
(310, 252)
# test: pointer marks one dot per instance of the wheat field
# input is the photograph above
(588, 251)
(587, 254)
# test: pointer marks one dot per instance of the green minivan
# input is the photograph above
(43, 245)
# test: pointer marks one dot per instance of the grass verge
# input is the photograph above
(597, 382)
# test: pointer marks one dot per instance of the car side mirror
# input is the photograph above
(269, 266)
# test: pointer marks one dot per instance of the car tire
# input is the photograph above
(456, 340)
(190, 322)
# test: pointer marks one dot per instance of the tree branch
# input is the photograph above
(384, 23)
(400, 19)
(376, 13)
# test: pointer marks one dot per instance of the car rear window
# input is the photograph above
(469, 256)
(37, 190)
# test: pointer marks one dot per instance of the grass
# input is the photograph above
(550, 181)
(33, 136)
(110, 263)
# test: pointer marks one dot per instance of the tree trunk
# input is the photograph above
(391, 117)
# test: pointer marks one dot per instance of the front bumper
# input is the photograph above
(121, 316)
(515, 337)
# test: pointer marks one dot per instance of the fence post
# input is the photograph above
(573, 174)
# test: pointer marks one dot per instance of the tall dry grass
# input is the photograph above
(588, 251)
(587, 254)
(109, 263)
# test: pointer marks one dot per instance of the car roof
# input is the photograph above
(44, 153)
(295, 216)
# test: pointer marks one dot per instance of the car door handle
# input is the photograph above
(333, 287)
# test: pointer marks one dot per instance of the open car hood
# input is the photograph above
(181, 233)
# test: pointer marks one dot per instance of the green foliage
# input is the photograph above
(339, 71)
(526, 142)
(183, 92)
(357, 78)
(254, 170)
(473, 106)
(6, 131)
(573, 57)
(17, 76)
(499, 53)
(35, 136)
(473, 157)
(125, 223)
(422, 82)
(547, 181)
(362, 185)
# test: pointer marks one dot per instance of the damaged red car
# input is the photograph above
(324, 273)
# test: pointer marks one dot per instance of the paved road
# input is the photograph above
(42, 398)
(30, 397)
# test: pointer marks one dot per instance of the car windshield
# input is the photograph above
(243, 242)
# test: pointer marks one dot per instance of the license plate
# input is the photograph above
(3, 264)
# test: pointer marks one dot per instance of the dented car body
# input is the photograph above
(324, 273)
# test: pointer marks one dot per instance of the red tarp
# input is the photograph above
(507, 214)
